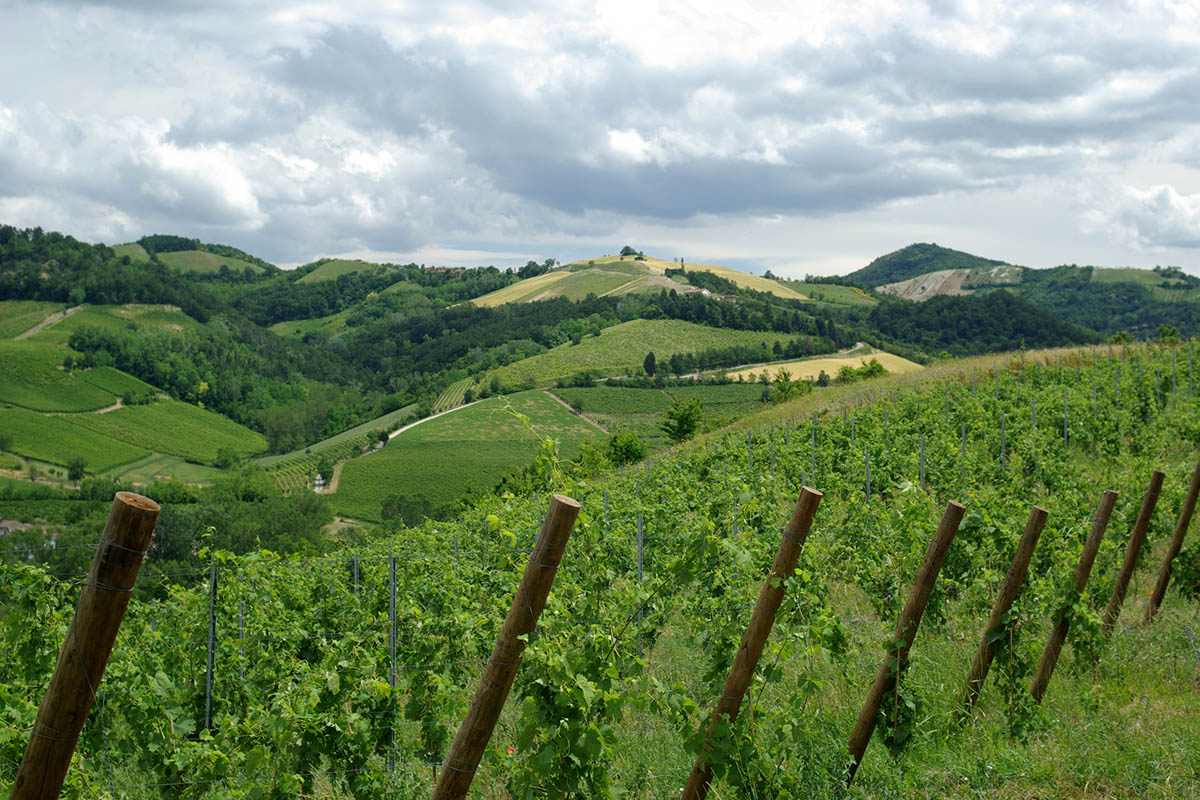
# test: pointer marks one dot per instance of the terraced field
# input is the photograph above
(204, 261)
(624, 347)
(437, 461)
(157, 467)
(174, 428)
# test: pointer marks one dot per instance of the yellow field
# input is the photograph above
(809, 368)
(755, 282)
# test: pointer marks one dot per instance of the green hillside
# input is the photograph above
(115, 318)
(204, 261)
(917, 259)
(134, 250)
(19, 316)
(31, 377)
(432, 464)
(174, 428)
(330, 269)
(624, 347)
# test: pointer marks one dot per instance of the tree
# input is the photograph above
(628, 251)
(624, 447)
(76, 467)
(683, 420)
(823, 379)
(649, 364)
(325, 469)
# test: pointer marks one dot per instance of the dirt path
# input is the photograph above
(559, 400)
(333, 482)
(105, 410)
(54, 318)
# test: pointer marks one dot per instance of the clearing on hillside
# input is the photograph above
(624, 347)
(429, 466)
(134, 250)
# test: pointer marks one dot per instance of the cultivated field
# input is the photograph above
(174, 428)
(30, 377)
(18, 316)
(330, 270)
(134, 250)
(624, 347)
(810, 368)
(116, 318)
(56, 440)
(204, 261)
(438, 461)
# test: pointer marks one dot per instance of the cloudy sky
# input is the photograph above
(757, 134)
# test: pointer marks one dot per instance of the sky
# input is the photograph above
(801, 138)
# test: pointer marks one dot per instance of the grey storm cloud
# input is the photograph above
(300, 129)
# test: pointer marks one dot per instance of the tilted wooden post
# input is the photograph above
(1083, 570)
(1136, 539)
(89, 642)
(755, 638)
(1181, 526)
(906, 631)
(476, 728)
(1009, 590)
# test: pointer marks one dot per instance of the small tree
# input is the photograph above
(325, 469)
(649, 364)
(624, 447)
(683, 420)
(628, 251)
(76, 467)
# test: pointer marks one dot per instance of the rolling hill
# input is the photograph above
(915, 260)
(619, 275)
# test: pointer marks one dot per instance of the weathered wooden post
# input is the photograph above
(755, 637)
(906, 631)
(1137, 538)
(89, 642)
(1181, 526)
(1058, 636)
(528, 602)
(1004, 600)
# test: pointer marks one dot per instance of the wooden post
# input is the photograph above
(89, 642)
(1058, 636)
(476, 728)
(1004, 600)
(1181, 526)
(906, 631)
(1136, 539)
(755, 638)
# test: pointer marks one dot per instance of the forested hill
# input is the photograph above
(914, 260)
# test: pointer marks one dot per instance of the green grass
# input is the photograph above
(116, 318)
(18, 316)
(204, 261)
(111, 379)
(330, 270)
(174, 428)
(56, 440)
(721, 394)
(157, 467)
(1152, 281)
(135, 251)
(30, 378)
(623, 348)
(465, 451)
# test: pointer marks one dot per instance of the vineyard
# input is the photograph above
(348, 675)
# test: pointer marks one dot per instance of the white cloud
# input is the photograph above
(1154, 218)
